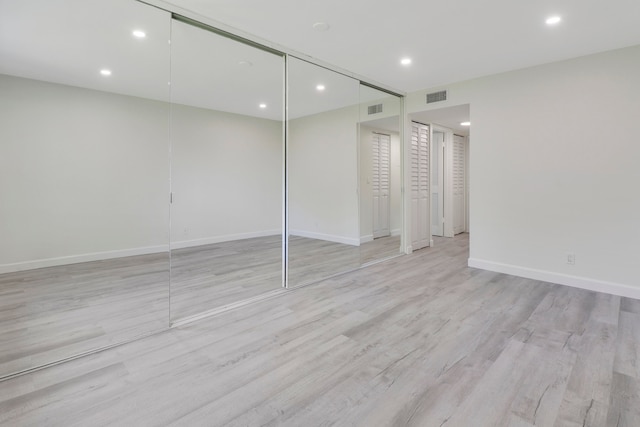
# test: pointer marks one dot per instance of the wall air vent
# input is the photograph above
(374, 109)
(436, 96)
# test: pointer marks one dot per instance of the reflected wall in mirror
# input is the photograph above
(226, 170)
(84, 177)
(380, 175)
(322, 169)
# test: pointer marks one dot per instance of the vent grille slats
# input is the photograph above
(436, 96)
(374, 109)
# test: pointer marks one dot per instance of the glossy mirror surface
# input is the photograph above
(322, 168)
(380, 175)
(84, 177)
(226, 171)
(142, 175)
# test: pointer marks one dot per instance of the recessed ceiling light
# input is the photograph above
(321, 26)
(263, 106)
(553, 20)
(320, 88)
(105, 72)
(139, 34)
(465, 124)
(244, 63)
(405, 61)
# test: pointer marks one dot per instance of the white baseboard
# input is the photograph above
(75, 259)
(559, 278)
(98, 256)
(367, 238)
(180, 244)
(328, 237)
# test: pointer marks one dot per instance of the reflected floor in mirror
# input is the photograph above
(211, 276)
(311, 259)
(53, 313)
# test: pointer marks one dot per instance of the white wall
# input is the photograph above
(323, 175)
(366, 192)
(82, 173)
(226, 176)
(554, 168)
(85, 175)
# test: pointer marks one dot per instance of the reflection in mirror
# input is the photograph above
(322, 169)
(380, 175)
(84, 177)
(226, 171)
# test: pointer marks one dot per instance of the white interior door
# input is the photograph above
(458, 184)
(437, 183)
(420, 235)
(381, 184)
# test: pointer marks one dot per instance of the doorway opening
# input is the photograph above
(439, 155)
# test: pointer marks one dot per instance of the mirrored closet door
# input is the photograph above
(322, 169)
(142, 175)
(84, 177)
(227, 127)
(380, 165)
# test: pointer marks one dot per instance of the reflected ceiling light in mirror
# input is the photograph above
(139, 34)
(105, 72)
(321, 26)
(263, 106)
(245, 64)
(405, 61)
(320, 87)
(553, 20)
(465, 124)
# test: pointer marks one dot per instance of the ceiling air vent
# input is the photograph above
(437, 96)
(374, 109)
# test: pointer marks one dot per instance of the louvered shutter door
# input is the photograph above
(419, 186)
(381, 184)
(458, 181)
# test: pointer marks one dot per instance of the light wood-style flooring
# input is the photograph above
(53, 313)
(211, 276)
(420, 340)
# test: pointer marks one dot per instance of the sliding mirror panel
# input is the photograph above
(84, 177)
(226, 171)
(322, 169)
(380, 175)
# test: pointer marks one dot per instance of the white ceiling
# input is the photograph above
(448, 40)
(69, 41)
(449, 117)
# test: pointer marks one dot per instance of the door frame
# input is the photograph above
(446, 186)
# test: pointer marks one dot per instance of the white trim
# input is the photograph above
(75, 259)
(367, 238)
(225, 308)
(328, 237)
(170, 7)
(559, 278)
(224, 238)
